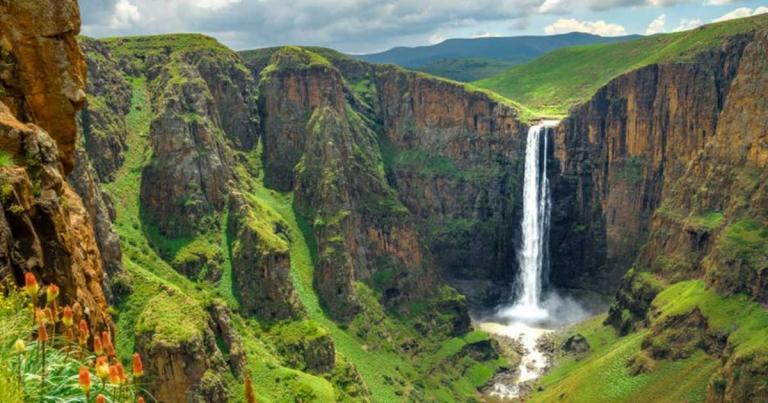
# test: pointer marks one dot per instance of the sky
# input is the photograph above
(366, 26)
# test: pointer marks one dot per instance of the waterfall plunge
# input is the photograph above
(535, 227)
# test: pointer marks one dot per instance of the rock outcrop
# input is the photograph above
(261, 265)
(103, 119)
(180, 352)
(318, 143)
(46, 229)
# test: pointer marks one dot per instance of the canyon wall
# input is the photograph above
(664, 171)
(621, 154)
(45, 227)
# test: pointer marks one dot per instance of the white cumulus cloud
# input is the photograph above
(686, 24)
(657, 25)
(566, 25)
(742, 12)
(125, 15)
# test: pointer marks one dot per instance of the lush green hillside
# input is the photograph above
(633, 375)
(466, 70)
(516, 49)
(553, 83)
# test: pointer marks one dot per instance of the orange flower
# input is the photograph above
(140, 400)
(66, 316)
(138, 367)
(114, 376)
(42, 333)
(83, 327)
(85, 379)
(106, 342)
(30, 284)
(97, 346)
(120, 372)
(102, 368)
(101, 399)
(51, 293)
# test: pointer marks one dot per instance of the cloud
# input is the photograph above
(599, 5)
(553, 6)
(125, 15)
(566, 25)
(686, 24)
(720, 2)
(352, 25)
(657, 25)
(742, 12)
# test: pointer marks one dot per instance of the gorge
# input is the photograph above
(294, 224)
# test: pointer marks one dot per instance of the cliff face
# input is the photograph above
(665, 169)
(458, 168)
(46, 229)
(318, 140)
(622, 152)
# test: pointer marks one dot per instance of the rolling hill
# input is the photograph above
(553, 83)
(473, 58)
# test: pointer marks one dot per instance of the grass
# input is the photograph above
(553, 83)
(584, 379)
(745, 320)
(6, 160)
(465, 70)
(603, 374)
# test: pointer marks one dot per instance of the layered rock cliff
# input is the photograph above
(664, 169)
(46, 228)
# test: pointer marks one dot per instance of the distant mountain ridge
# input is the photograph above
(506, 50)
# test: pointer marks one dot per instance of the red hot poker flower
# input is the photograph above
(51, 293)
(140, 400)
(97, 346)
(138, 367)
(30, 284)
(102, 368)
(83, 334)
(42, 333)
(114, 376)
(120, 372)
(101, 399)
(106, 343)
(66, 316)
(85, 379)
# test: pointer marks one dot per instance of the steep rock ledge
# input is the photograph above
(622, 152)
(316, 142)
(457, 167)
(46, 229)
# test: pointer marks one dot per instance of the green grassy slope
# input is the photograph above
(553, 83)
(466, 70)
(584, 379)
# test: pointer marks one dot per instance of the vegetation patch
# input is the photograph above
(553, 83)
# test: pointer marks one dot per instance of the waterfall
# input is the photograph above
(535, 226)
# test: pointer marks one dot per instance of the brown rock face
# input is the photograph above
(203, 102)
(318, 141)
(45, 72)
(45, 229)
(623, 153)
(103, 119)
(261, 264)
(181, 355)
(459, 171)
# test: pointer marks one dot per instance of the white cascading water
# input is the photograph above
(526, 316)
(535, 227)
